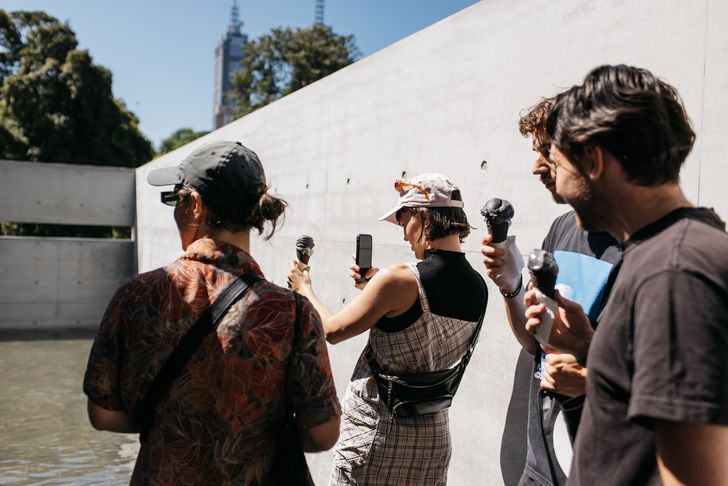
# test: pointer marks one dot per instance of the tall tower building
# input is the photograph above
(228, 53)
(319, 16)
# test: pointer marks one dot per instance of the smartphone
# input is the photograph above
(363, 255)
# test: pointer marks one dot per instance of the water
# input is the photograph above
(45, 437)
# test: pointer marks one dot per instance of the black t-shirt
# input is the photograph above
(661, 349)
(452, 287)
(585, 260)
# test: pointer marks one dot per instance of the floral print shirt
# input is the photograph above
(217, 423)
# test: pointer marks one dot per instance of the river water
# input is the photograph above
(45, 437)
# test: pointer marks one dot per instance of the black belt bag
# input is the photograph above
(420, 393)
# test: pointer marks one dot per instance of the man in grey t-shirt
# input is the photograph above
(657, 393)
(556, 381)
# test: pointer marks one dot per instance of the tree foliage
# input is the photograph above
(56, 105)
(286, 60)
(180, 137)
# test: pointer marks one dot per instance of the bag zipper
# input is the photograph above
(429, 385)
(429, 399)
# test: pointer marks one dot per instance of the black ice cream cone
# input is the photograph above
(498, 214)
(543, 270)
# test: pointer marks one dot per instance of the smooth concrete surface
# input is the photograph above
(59, 283)
(447, 99)
(40, 192)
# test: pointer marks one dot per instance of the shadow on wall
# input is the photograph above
(513, 442)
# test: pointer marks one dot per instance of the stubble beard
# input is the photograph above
(591, 210)
(556, 198)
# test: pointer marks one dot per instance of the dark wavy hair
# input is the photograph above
(629, 112)
(256, 208)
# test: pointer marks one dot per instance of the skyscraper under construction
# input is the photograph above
(228, 53)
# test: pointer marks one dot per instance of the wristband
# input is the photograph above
(510, 295)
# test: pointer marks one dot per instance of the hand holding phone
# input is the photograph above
(363, 255)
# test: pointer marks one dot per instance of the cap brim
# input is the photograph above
(167, 176)
(391, 216)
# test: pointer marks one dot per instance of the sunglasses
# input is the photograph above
(400, 185)
(171, 198)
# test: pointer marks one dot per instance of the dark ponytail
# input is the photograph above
(269, 208)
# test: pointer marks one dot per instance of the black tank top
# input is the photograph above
(452, 287)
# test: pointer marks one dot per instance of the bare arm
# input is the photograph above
(692, 453)
(516, 314)
(390, 292)
(503, 272)
(111, 420)
(320, 437)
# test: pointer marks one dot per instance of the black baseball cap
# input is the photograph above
(222, 170)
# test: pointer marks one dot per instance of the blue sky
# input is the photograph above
(161, 53)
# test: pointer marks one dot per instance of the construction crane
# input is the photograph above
(319, 12)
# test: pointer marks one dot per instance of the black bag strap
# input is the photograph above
(206, 323)
(474, 340)
(289, 466)
(377, 370)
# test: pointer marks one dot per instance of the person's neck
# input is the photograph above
(448, 243)
(637, 206)
(239, 239)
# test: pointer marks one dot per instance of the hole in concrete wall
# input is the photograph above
(348, 180)
(404, 174)
(343, 301)
(306, 186)
(484, 165)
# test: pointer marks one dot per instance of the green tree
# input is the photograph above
(181, 137)
(286, 60)
(56, 105)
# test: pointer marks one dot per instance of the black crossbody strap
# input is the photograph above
(474, 340)
(377, 370)
(206, 323)
(297, 322)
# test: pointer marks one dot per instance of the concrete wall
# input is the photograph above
(66, 194)
(447, 99)
(52, 283)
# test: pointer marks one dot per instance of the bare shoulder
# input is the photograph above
(395, 276)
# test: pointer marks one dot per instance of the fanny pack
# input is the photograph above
(420, 393)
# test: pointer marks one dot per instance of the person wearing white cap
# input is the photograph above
(422, 317)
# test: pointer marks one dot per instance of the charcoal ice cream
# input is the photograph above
(498, 214)
(543, 269)
(304, 248)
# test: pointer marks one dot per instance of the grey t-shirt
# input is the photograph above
(661, 349)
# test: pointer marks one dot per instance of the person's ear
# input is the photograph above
(423, 215)
(197, 207)
(594, 156)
